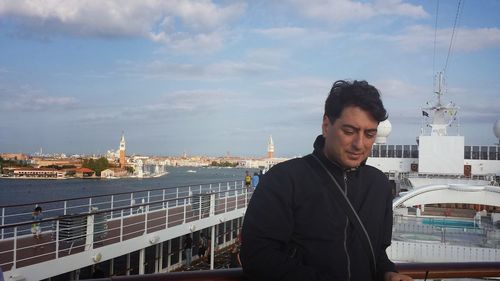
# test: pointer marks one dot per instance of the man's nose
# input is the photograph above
(359, 141)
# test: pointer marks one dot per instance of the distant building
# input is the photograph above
(122, 152)
(14, 156)
(263, 163)
(44, 162)
(84, 173)
(114, 172)
(44, 173)
(270, 147)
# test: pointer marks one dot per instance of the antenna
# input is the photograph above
(457, 16)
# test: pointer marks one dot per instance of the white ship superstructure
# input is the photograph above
(449, 210)
(437, 157)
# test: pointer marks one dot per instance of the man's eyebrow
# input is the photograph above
(347, 126)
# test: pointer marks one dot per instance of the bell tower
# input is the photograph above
(270, 147)
(122, 151)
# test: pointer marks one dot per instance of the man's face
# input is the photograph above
(349, 140)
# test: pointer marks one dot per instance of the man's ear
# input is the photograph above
(324, 125)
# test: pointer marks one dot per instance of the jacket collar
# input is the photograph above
(319, 143)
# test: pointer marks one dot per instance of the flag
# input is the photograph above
(425, 114)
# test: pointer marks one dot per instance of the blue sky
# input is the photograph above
(218, 77)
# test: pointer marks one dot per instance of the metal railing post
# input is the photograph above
(163, 198)
(14, 249)
(90, 204)
(146, 219)
(201, 206)
(225, 201)
(3, 220)
(131, 202)
(89, 239)
(176, 197)
(149, 197)
(166, 216)
(246, 197)
(212, 205)
(121, 225)
(65, 207)
(112, 205)
(57, 239)
(184, 213)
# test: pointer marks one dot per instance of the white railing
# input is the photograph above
(10, 214)
(446, 230)
(65, 235)
(427, 252)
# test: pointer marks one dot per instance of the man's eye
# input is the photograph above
(371, 135)
(348, 132)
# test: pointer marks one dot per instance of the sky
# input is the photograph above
(219, 77)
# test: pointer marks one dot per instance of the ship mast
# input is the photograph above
(441, 116)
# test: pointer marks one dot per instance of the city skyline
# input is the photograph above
(207, 77)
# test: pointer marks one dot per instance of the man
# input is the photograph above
(295, 228)
(255, 180)
(36, 216)
(248, 179)
(188, 251)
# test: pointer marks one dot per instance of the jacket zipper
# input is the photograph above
(345, 233)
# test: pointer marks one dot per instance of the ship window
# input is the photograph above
(383, 151)
(414, 151)
(484, 152)
(390, 151)
(493, 153)
(406, 151)
(399, 151)
(475, 152)
(467, 152)
(375, 150)
(175, 248)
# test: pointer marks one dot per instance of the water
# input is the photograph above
(15, 191)
(449, 223)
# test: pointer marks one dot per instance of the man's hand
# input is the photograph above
(394, 276)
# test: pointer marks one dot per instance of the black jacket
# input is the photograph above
(293, 230)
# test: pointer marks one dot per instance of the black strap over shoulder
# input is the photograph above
(320, 170)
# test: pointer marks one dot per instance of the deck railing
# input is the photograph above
(18, 213)
(427, 271)
(65, 234)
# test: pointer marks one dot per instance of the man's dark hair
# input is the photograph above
(355, 93)
(38, 209)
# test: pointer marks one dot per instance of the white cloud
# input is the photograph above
(180, 24)
(338, 11)
(283, 32)
(392, 88)
(299, 34)
(172, 105)
(466, 40)
(213, 71)
(36, 102)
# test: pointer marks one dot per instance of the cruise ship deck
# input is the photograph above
(131, 234)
